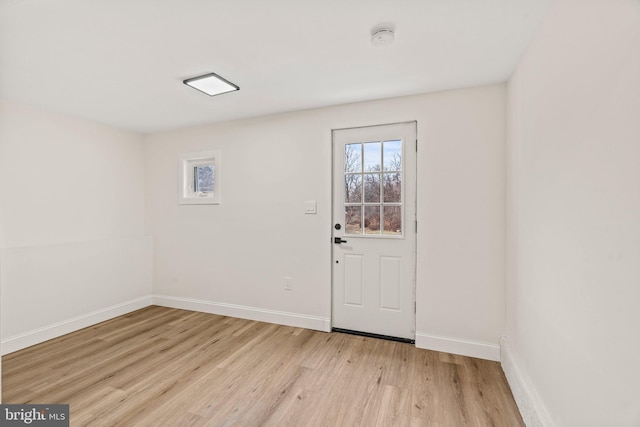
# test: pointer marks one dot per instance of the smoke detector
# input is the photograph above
(382, 36)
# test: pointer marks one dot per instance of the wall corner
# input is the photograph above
(531, 408)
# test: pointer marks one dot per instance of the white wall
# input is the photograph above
(231, 258)
(573, 287)
(75, 251)
(73, 248)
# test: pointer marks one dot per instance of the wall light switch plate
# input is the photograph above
(310, 207)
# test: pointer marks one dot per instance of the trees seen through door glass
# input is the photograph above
(373, 188)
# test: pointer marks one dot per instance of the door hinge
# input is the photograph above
(415, 307)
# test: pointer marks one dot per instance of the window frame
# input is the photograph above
(363, 204)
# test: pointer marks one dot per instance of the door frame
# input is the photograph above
(415, 248)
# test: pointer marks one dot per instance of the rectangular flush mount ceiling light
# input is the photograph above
(211, 84)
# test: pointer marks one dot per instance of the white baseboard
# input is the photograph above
(457, 346)
(36, 336)
(533, 412)
(244, 312)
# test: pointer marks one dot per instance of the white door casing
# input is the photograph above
(374, 211)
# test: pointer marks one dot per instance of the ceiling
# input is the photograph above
(122, 62)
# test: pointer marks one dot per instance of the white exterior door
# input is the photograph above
(374, 229)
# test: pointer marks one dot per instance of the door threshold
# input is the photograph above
(370, 335)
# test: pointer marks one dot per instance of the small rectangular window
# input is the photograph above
(373, 188)
(199, 178)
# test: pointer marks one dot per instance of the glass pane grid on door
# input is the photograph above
(373, 202)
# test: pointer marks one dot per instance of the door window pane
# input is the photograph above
(353, 220)
(372, 219)
(393, 155)
(353, 188)
(392, 220)
(372, 156)
(353, 158)
(392, 187)
(372, 188)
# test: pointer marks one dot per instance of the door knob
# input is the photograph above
(338, 240)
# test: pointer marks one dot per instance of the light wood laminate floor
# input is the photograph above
(167, 367)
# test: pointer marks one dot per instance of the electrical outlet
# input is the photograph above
(288, 283)
(310, 207)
